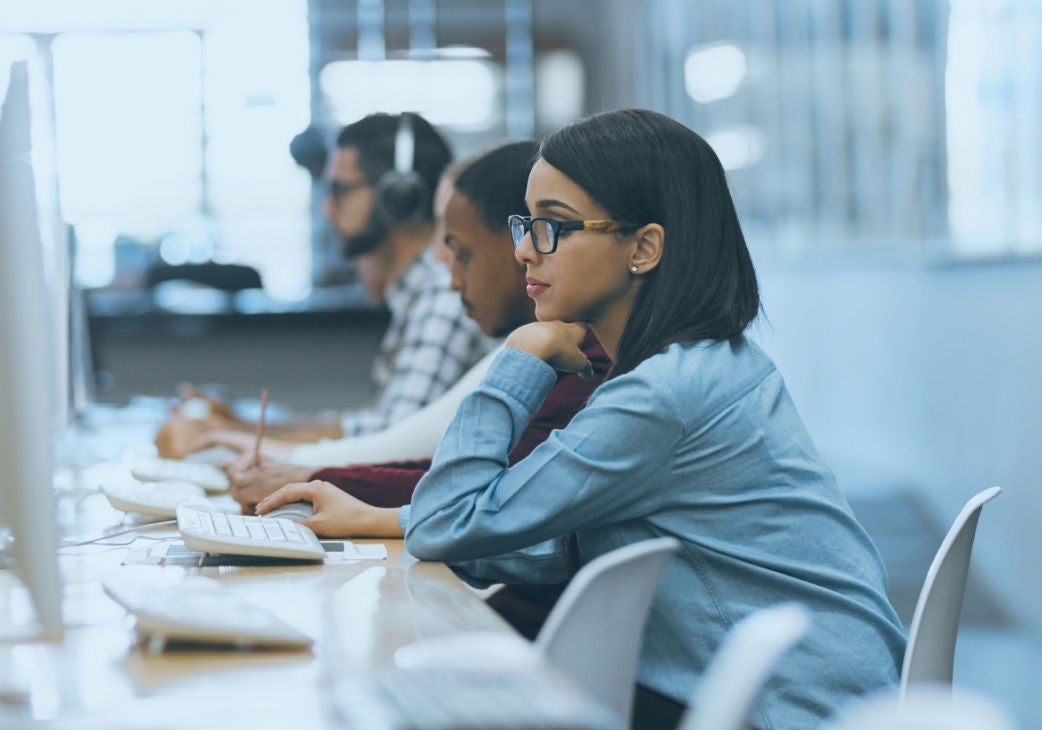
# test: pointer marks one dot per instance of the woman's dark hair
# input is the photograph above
(495, 182)
(643, 167)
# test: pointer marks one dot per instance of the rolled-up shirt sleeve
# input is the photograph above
(472, 506)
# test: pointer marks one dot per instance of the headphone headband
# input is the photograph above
(404, 145)
(402, 195)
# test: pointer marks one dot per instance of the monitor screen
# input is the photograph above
(30, 366)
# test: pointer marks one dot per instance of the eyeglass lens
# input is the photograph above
(543, 232)
(542, 235)
(517, 229)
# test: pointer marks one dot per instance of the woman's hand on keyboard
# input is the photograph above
(250, 484)
(336, 513)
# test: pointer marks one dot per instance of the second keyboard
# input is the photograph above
(220, 532)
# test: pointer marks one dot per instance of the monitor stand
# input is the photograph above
(19, 622)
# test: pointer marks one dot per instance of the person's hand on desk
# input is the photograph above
(243, 443)
(180, 435)
(249, 484)
(187, 427)
(336, 513)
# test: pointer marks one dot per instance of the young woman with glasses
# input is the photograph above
(634, 234)
(693, 435)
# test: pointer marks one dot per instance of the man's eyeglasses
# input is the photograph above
(338, 189)
(546, 231)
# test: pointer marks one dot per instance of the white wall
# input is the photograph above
(930, 376)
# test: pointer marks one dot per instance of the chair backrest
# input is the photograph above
(731, 683)
(594, 631)
(930, 655)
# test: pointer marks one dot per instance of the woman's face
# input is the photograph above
(587, 279)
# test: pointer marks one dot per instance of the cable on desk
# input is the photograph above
(149, 525)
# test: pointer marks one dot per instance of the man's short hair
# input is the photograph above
(495, 182)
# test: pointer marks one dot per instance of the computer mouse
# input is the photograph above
(294, 511)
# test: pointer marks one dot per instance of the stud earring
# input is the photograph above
(633, 268)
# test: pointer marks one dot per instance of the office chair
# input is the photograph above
(223, 277)
(594, 632)
(930, 654)
(741, 666)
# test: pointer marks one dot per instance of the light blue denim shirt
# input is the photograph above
(702, 443)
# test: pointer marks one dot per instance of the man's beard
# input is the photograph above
(370, 239)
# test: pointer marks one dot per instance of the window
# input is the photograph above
(172, 133)
(129, 129)
(864, 123)
(462, 93)
(993, 88)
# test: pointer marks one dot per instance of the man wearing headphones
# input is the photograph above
(383, 176)
(380, 202)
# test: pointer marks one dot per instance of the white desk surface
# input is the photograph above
(99, 677)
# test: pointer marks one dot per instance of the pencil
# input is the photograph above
(255, 461)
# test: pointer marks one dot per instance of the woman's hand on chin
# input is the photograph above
(556, 343)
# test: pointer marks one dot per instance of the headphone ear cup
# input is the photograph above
(400, 197)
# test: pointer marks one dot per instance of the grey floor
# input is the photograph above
(309, 366)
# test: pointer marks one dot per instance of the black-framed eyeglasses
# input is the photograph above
(546, 231)
(338, 189)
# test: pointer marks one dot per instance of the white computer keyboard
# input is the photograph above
(205, 614)
(273, 537)
(469, 700)
(156, 499)
(155, 469)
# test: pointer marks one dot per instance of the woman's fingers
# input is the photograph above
(301, 491)
(558, 344)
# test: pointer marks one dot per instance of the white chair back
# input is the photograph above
(594, 632)
(930, 655)
(729, 687)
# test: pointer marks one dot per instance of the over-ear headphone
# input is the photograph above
(401, 193)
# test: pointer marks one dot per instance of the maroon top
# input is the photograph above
(525, 607)
(392, 484)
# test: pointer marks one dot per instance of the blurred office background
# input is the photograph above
(885, 157)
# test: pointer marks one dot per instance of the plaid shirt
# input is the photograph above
(428, 345)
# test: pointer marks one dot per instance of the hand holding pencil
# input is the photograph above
(255, 458)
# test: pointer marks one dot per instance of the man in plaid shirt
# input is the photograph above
(381, 204)
(429, 344)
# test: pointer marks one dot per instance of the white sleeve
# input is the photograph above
(414, 437)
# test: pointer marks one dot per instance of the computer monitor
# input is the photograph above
(81, 367)
(29, 411)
